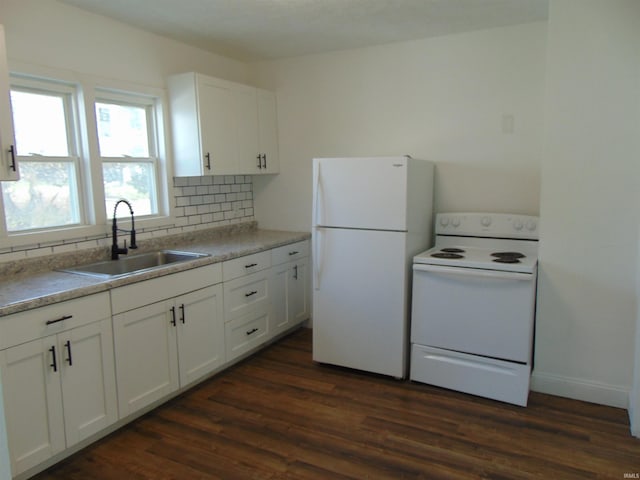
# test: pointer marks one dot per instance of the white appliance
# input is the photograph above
(371, 215)
(474, 305)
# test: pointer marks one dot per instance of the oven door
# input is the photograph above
(481, 312)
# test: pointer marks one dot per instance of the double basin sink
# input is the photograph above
(134, 264)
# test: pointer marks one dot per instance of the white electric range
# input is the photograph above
(473, 310)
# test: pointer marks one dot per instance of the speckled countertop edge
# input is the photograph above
(24, 291)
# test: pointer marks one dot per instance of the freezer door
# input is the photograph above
(359, 300)
(368, 193)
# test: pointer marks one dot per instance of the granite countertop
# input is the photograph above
(23, 288)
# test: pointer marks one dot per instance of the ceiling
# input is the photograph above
(253, 30)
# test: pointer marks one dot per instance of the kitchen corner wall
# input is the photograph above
(472, 103)
(590, 198)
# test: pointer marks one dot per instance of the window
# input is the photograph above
(48, 192)
(127, 146)
(73, 170)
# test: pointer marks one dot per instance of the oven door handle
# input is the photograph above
(471, 272)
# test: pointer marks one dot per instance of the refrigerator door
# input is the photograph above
(359, 300)
(367, 193)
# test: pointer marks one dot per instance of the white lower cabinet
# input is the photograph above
(247, 332)
(201, 345)
(58, 389)
(291, 284)
(290, 295)
(71, 369)
(167, 345)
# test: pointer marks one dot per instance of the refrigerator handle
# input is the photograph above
(317, 195)
(316, 259)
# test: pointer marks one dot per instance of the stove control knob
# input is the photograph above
(517, 224)
(531, 225)
(444, 221)
(455, 222)
(485, 221)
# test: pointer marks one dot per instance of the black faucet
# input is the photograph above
(115, 250)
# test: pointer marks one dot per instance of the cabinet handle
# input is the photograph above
(252, 331)
(53, 357)
(295, 272)
(173, 316)
(295, 252)
(250, 293)
(61, 319)
(208, 157)
(68, 347)
(259, 162)
(12, 150)
(264, 159)
(182, 317)
(250, 265)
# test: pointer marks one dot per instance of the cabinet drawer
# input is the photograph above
(58, 317)
(241, 266)
(245, 294)
(290, 252)
(160, 288)
(246, 333)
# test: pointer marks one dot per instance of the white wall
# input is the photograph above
(589, 202)
(442, 99)
(45, 32)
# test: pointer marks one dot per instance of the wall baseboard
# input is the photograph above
(579, 389)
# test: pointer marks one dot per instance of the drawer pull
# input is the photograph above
(295, 252)
(54, 365)
(61, 319)
(252, 331)
(250, 293)
(251, 265)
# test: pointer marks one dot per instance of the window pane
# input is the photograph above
(122, 130)
(40, 124)
(133, 181)
(44, 196)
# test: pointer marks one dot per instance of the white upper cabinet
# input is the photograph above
(8, 161)
(267, 132)
(221, 127)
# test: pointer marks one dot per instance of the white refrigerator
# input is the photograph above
(370, 216)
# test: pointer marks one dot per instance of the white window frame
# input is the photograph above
(149, 105)
(96, 220)
(69, 94)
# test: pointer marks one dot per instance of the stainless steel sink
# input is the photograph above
(134, 264)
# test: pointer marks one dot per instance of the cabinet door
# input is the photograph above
(8, 165)
(280, 299)
(290, 295)
(146, 356)
(268, 131)
(200, 333)
(298, 286)
(218, 119)
(247, 129)
(32, 402)
(88, 380)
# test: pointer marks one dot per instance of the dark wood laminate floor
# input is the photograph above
(279, 415)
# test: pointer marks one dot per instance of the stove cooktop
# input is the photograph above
(486, 258)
